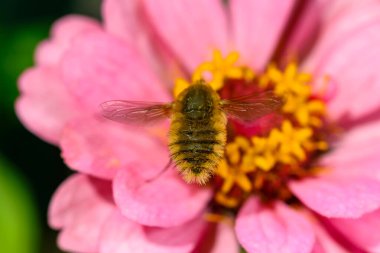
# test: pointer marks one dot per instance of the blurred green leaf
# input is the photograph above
(18, 43)
(19, 226)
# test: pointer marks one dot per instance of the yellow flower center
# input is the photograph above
(215, 72)
(262, 162)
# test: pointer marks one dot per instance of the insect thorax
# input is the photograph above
(197, 102)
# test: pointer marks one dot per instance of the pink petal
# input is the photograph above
(218, 237)
(318, 248)
(304, 32)
(340, 18)
(262, 229)
(349, 54)
(102, 147)
(164, 202)
(123, 18)
(329, 245)
(126, 20)
(338, 196)
(121, 235)
(366, 230)
(257, 26)
(325, 243)
(99, 67)
(225, 240)
(49, 52)
(357, 152)
(45, 105)
(191, 28)
(80, 207)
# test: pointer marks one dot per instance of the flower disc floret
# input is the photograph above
(262, 164)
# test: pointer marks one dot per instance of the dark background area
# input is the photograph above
(30, 169)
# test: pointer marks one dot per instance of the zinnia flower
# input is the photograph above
(302, 180)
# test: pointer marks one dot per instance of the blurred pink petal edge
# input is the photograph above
(257, 26)
(80, 211)
(359, 149)
(273, 229)
(90, 222)
(366, 230)
(200, 30)
(88, 146)
(339, 197)
(166, 201)
(47, 119)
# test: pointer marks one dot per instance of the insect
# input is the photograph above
(197, 135)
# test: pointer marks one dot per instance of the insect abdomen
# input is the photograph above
(197, 147)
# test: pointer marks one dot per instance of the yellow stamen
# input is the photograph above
(216, 71)
(180, 85)
(219, 218)
(226, 201)
(219, 68)
(233, 175)
(292, 142)
(288, 145)
(213, 217)
(295, 88)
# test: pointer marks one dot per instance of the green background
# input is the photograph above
(30, 169)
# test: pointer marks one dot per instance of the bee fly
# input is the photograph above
(197, 135)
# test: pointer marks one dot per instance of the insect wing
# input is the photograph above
(135, 112)
(251, 107)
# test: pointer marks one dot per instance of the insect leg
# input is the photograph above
(168, 165)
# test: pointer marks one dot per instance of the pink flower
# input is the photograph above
(138, 52)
